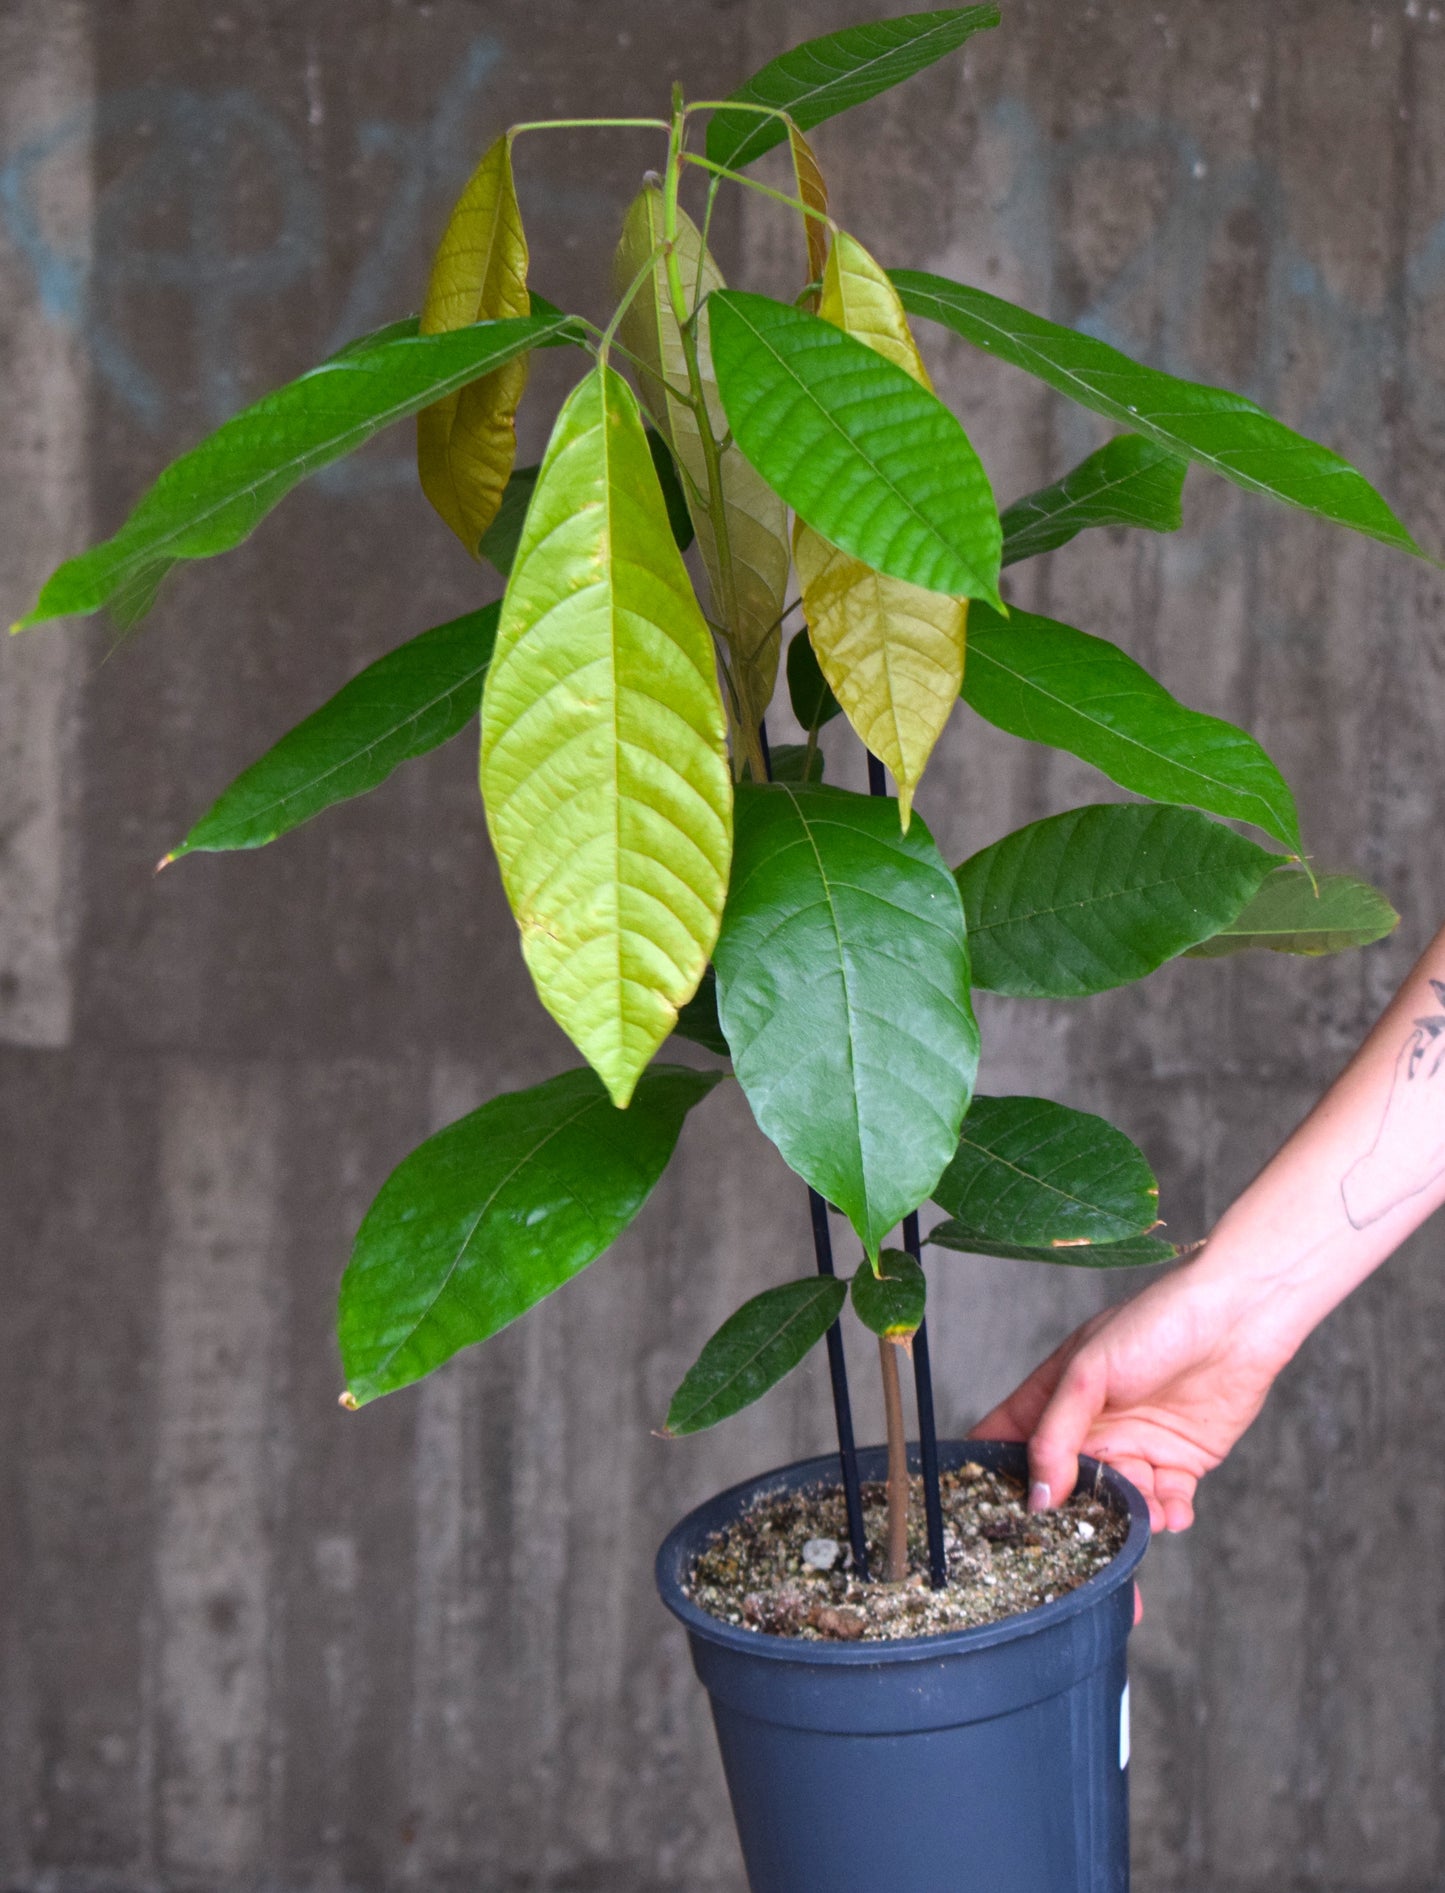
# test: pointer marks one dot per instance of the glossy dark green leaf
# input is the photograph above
(1100, 896)
(791, 760)
(499, 542)
(413, 699)
(753, 1350)
(678, 516)
(813, 702)
(497, 1211)
(1130, 481)
(1222, 431)
(891, 1303)
(861, 452)
(1290, 915)
(843, 992)
(1031, 1172)
(211, 498)
(822, 77)
(697, 1020)
(1052, 684)
(1133, 1252)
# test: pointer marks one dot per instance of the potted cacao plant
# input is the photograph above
(673, 873)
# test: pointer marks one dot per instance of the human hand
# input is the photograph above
(1159, 1388)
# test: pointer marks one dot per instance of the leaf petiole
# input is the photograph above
(752, 184)
(589, 124)
(605, 344)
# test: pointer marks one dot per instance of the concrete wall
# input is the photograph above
(250, 1642)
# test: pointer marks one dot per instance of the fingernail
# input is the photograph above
(1040, 1497)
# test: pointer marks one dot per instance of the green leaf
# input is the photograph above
(497, 1211)
(843, 991)
(211, 498)
(1133, 1252)
(499, 541)
(1051, 684)
(604, 751)
(665, 467)
(1128, 482)
(397, 331)
(1289, 915)
(697, 1020)
(891, 1303)
(813, 702)
(1033, 1173)
(1100, 896)
(822, 77)
(864, 454)
(413, 699)
(791, 763)
(753, 1350)
(1222, 431)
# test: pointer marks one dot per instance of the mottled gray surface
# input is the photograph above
(248, 1642)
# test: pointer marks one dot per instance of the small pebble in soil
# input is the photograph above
(820, 1554)
(782, 1568)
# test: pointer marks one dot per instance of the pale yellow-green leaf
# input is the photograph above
(812, 191)
(892, 653)
(467, 443)
(748, 584)
(604, 757)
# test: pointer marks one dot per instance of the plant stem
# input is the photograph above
(727, 604)
(896, 1568)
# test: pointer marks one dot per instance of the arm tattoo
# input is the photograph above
(1408, 1153)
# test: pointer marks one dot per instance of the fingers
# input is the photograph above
(1062, 1429)
(1174, 1491)
(1138, 1606)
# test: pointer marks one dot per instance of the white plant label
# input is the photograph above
(1124, 1728)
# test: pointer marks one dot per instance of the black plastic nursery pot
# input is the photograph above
(993, 1760)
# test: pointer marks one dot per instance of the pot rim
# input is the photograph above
(677, 1550)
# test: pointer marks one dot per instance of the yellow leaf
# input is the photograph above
(467, 443)
(814, 193)
(748, 589)
(892, 653)
(604, 761)
(858, 297)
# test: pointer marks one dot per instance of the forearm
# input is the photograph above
(1359, 1175)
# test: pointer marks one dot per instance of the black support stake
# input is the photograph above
(927, 1430)
(842, 1408)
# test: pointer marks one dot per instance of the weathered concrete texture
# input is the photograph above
(250, 1642)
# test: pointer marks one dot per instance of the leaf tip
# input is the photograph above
(349, 1401)
(166, 859)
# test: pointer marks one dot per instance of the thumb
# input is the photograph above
(1062, 1429)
